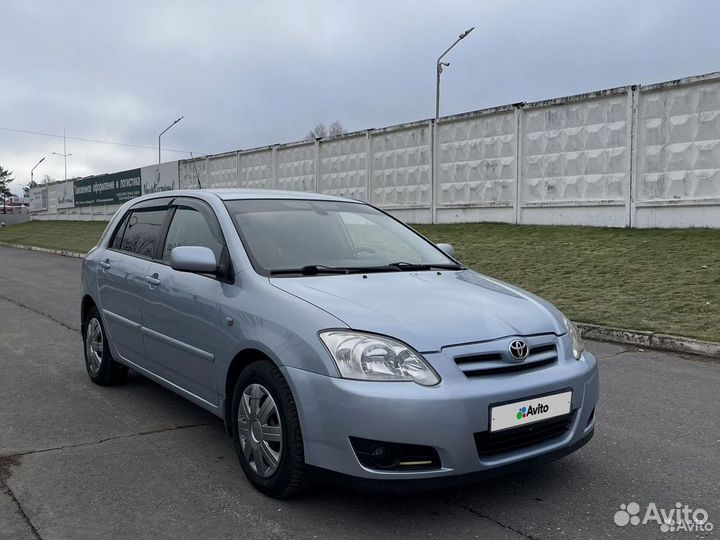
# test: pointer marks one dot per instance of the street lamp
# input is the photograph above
(440, 65)
(33, 170)
(161, 134)
(64, 154)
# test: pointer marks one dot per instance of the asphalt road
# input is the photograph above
(136, 461)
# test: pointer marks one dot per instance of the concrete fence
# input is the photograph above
(635, 156)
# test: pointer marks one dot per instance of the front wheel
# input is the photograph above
(101, 366)
(266, 431)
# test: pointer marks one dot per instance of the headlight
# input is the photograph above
(376, 358)
(578, 345)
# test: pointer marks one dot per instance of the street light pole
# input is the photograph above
(64, 154)
(161, 134)
(32, 171)
(439, 69)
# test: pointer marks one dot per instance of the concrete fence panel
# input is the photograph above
(401, 171)
(295, 166)
(255, 169)
(222, 171)
(343, 165)
(476, 166)
(575, 160)
(677, 182)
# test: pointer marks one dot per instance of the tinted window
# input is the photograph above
(284, 234)
(190, 228)
(117, 239)
(142, 231)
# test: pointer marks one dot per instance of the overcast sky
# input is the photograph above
(247, 74)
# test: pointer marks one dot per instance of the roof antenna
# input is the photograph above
(197, 176)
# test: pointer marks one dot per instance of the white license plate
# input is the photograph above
(529, 411)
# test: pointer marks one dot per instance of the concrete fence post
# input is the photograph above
(316, 188)
(368, 165)
(518, 165)
(274, 167)
(633, 120)
(434, 173)
(237, 168)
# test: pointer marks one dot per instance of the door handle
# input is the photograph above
(152, 280)
(105, 264)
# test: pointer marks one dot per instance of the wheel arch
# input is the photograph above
(86, 305)
(239, 362)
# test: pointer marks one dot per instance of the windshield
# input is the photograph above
(288, 236)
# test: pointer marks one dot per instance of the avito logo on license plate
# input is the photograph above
(529, 411)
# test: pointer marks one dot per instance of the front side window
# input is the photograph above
(190, 228)
(293, 234)
(142, 231)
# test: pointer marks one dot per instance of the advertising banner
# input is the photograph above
(157, 178)
(108, 188)
(38, 199)
(65, 195)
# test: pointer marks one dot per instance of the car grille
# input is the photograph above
(492, 363)
(489, 443)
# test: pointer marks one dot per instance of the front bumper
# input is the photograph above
(445, 416)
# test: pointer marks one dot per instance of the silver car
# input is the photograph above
(333, 340)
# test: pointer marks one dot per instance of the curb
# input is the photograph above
(650, 340)
(62, 252)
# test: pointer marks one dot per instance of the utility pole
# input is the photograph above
(64, 154)
(439, 69)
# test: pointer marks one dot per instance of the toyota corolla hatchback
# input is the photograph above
(333, 340)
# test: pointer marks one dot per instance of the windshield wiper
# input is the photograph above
(311, 270)
(317, 269)
(415, 267)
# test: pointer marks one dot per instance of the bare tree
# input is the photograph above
(336, 129)
(320, 131)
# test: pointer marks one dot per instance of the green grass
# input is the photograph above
(77, 236)
(663, 280)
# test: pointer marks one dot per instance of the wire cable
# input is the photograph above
(84, 139)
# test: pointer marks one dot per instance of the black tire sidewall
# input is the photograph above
(291, 458)
(110, 372)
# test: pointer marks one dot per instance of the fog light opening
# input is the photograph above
(393, 456)
(384, 457)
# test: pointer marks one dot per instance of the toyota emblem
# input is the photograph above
(519, 349)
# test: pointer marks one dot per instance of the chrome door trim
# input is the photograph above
(178, 344)
(121, 319)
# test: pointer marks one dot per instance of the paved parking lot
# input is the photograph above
(136, 461)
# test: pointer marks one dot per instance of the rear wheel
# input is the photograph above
(101, 366)
(266, 431)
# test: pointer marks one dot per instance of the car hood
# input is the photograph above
(427, 310)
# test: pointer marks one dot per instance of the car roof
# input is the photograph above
(229, 194)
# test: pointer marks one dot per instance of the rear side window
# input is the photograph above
(117, 238)
(141, 233)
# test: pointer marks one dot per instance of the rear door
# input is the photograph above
(122, 277)
(182, 330)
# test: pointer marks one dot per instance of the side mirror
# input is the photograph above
(447, 249)
(193, 259)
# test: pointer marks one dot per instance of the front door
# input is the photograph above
(182, 329)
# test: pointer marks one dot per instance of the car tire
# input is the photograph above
(100, 365)
(266, 431)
